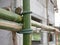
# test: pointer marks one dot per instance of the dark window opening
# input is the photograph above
(50, 37)
(36, 19)
(50, 24)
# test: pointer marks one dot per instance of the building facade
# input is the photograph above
(44, 12)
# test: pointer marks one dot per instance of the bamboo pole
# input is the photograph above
(46, 27)
(56, 38)
(17, 26)
(14, 38)
(8, 25)
(26, 22)
(8, 15)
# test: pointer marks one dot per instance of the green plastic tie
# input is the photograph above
(26, 12)
(25, 31)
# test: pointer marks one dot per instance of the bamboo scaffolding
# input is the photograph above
(8, 15)
(8, 25)
(46, 27)
(4, 24)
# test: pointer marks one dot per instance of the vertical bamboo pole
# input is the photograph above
(56, 38)
(14, 37)
(26, 22)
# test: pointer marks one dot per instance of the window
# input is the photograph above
(36, 36)
(50, 37)
(36, 19)
(50, 24)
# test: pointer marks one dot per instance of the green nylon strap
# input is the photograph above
(25, 31)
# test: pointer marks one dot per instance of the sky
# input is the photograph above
(57, 15)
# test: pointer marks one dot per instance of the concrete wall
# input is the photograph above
(38, 9)
(19, 39)
(51, 13)
(5, 3)
(5, 37)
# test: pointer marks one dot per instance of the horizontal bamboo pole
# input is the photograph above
(8, 15)
(8, 25)
(46, 27)
(12, 26)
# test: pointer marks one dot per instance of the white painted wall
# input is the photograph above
(19, 39)
(5, 37)
(19, 3)
(44, 37)
(51, 13)
(5, 3)
(38, 8)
